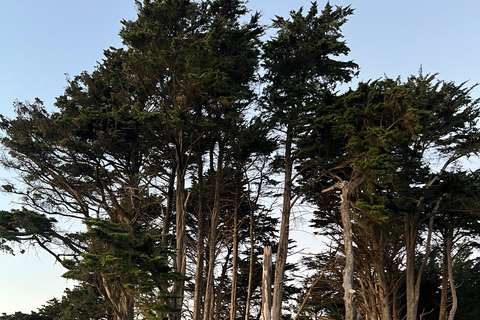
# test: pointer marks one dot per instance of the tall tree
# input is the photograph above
(384, 124)
(448, 115)
(300, 65)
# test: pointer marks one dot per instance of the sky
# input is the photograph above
(43, 42)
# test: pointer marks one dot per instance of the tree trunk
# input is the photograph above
(349, 292)
(180, 261)
(198, 293)
(208, 312)
(410, 241)
(220, 303)
(282, 251)
(251, 264)
(382, 282)
(122, 304)
(267, 284)
(233, 299)
(453, 290)
(168, 210)
(413, 283)
(444, 294)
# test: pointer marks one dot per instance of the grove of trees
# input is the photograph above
(185, 153)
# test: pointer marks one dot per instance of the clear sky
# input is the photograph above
(41, 41)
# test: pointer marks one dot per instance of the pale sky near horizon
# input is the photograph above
(41, 41)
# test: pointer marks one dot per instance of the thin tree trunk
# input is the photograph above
(413, 283)
(349, 292)
(444, 293)
(208, 312)
(219, 297)
(282, 251)
(411, 229)
(180, 261)
(251, 264)
(197, 296)
(453, 290)
(410, 241)
(382, 282)
(267, 284)
(168, 210)
(233, 299)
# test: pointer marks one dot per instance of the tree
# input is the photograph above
(369, 125)
(87, 160)
(447, 117)
(379, 127)
(121, 145)
(300, 65)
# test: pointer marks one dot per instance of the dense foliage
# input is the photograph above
(185, 153)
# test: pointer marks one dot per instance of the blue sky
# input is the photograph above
(41, 41)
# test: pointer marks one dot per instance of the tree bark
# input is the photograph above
(123, 305)
(267, 284)
(180, 261)
(349, 292)
(282, 251)
(208, 312)
(251, 263)
(233, 299)
(410, 242)
(379, 265)
(166, 219)
(199, 263)
(453, 290)
(444, 293)
(413, 283)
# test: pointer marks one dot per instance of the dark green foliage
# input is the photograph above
(81, 302)
(137, 261)
(23, 316)
(20, 226)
